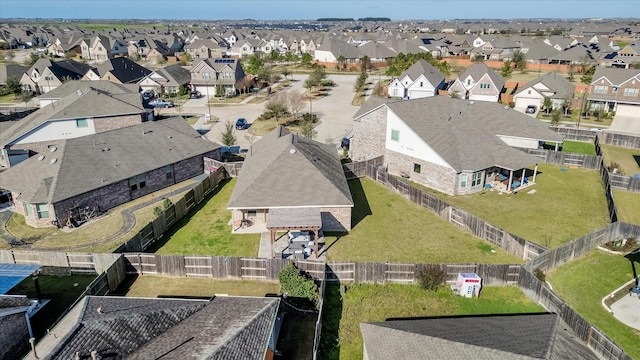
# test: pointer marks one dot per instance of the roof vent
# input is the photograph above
(506, 107)
(106, 149)
(292, 151)
(53, 148)
(79, 92)
(41, 157)
(471, 102)
(53, 161)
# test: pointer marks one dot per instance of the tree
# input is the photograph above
(587, 78)
(547, 104)
(365, 63)
(566, 106)
(228, 138)
(519, 60)
(455, 95)
(276, 107)
(307, 129)
(294, 283)
(254, 64)
(478, 58)
(361, 81)
(285, 72)
(184, 59)
(274, 56)
(506, 70)
(341, 62)
(13, 84)
(306, 59)
(295, 102)
(571, 71)
(267, 74)
(555, 117)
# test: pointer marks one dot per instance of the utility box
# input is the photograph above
(467, 285)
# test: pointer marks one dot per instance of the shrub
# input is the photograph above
(540, 275)
(157, 211)
(622, 245)
(431, 278)
(296, 284)
(166, 203)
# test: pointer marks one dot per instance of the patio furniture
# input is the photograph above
(516, 184)
(500, 177)
(297, 247)
(635, 290)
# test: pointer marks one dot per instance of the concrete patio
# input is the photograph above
(281, 246)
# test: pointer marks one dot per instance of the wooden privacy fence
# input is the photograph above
(623, 182)
(539, 292)
(232, 168)
(575, 134)
(621, 140)
(565, 158)
(357, 169)
(157, 227)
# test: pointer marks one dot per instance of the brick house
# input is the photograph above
(614, 89)
(106, 169)
(285, 170)
(78, 109)
(478, 82)
(420, 80)
(208, 74)
(450, 145)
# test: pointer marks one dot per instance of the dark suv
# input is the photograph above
(241, 124)
(531, 109)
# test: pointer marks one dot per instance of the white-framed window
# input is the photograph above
(485, 86)
(43, 211)
(252, 213)
(395, 135)
(600, 89)
(27, 210)
(463, 180)
(206, 75)
(81, 123)
(476, 179)
(631, 92)
(137, 182)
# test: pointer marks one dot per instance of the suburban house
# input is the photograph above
(80, 110)
(419, 81)
(479, 82)
(105, 169)
(104, 327)
(11, 71)
(72, 87)
(119, 70)
(450, 145)
(618, 90)
(281, 181)
(167, 80)
(623, 58)
(551, 85)
(216, 76)
(205, 49)
(146, 48)
(15, 325)
(497, 337)
(46, 75)
(332, 50)
(101, 47)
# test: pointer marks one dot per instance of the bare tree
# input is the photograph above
(294, 99)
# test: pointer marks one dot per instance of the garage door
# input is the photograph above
(628, 110)
(523, 102)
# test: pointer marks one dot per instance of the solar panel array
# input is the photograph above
(224, 61)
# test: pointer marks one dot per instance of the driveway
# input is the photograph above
(625, 124)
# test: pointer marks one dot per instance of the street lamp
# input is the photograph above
(208, 102)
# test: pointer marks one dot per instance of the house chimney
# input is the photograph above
(94, 355)
(32, 341)
(99, 310)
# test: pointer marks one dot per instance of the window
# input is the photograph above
(417, 168)
(395, 92)
(43, 211)
(395, 135)
(206, 75)
(476, 179)
(27, 210)
(485, 86)
(137, 182)
(463, 180)
(600, 89)
(252, 213)
(421, 84)
(468, 81)
(631, 92)
(81, 123)
(168, 172)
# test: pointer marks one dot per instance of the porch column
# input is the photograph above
(315, 238)
(535, 172)
(556, 147)
(272, 232)
(510, 180)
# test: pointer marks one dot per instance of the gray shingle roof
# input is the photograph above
(561, 87)
(71, 87)
(176, 74)
(421, 67)
(614, 75)
(287, 170)
(478, 70)
(125, 70)
(466, 134)
(91, 162)
(531, 336)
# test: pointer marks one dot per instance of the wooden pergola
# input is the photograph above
(300, 219)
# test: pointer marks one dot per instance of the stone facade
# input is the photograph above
(336, 219)
(369, 135)
(14, 336)
(116, 122)
(431, 175)
(33, 220)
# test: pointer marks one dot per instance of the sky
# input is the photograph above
(313, 9)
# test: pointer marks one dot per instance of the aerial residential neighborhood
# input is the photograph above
(324, 188)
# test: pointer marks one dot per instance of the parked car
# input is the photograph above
(345, 143)
(531, 109)
(196, 95)
(241, 124)
(161, 103)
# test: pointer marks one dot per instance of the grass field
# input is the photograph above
(601, 273)
(205, 230)
(579, 147)
(388, 227)
(628, 159)
(627, 205)
(155, 286)
(566, 205)
(341, 338)
(62, 291)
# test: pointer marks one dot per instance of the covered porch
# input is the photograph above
(303, 225)
(510, 180)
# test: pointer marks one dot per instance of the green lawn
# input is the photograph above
(566, 205)
(62, 291)
(205, 230)
(388, 227)
(579, 147)
(627, 205)
(628, 159)
(583, 283)
(341, 338)
(156, 286)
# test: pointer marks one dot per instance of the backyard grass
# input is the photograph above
(627, 205)
(341, 338)
(62, 291)
(388, 227)
(579, 147)
(206, 231)
(583, 283)
(628, 159)
(566, 205)
(156, 286)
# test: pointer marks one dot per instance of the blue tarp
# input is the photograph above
(12, 274)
